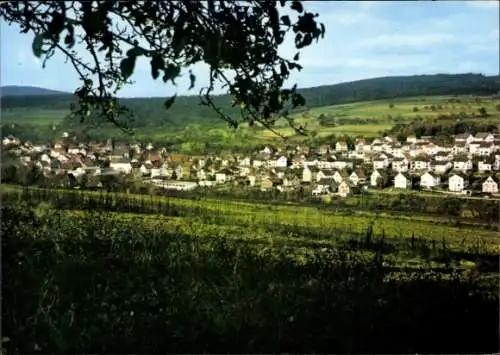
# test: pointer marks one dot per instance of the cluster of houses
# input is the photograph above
(328, 169)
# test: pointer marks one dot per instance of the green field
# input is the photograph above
(85, 272)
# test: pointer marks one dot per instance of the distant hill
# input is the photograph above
(151, 112)
(14, 90)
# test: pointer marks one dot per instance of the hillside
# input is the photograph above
(22, 91)
(150, 111)
(431, 104)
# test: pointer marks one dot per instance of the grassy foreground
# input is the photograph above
(100, 282)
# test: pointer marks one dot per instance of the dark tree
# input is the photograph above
(483, 112)
(239, 40)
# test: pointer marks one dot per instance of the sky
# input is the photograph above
(363, 39)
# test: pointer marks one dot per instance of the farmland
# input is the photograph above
(241, 276)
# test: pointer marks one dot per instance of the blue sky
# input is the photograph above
(363, 40)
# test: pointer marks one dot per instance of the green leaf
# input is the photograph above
(297, 6)
(37, 44)
(286, 20)
(296, 56)
(135, 52)
(171, 72)
(127, 66)
(192, 80)
(157, 63)
(322, 30)
(170, 101)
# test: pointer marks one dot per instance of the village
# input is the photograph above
(471, 165)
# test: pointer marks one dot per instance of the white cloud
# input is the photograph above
(483, 4)
(411, 40)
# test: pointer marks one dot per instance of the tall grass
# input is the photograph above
(94, 284)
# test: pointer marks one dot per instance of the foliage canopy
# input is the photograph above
(239, 41)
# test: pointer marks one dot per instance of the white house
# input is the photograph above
(456, 183)
(462, 164)
(401, 181)
(221, 177)
(474, 147)
(380, 163)
(342, 164)
(466, 138)
(125, 168)
(281, 162)
(341, 146)
(400, 165)
(324, 174)
(411, 139)
(459, 148)
(429, 180)
(442, 167)
(483, 166)
(245, 162)
(306, 174)
(485, 148)
(420, 163)
(485, 137)
(490, 186)
(374, 178)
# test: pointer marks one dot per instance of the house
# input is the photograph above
(459, 148)
(341, 146)
(201, 174)
(375, 177)
(360, 145)
(466, 138)
(221, 177)
(456, 183)
(400, 165)
(401, 181)
(485, 148)
(484, 166)
(340, 176)
(380, 163)
(174, 184)
(306, 174)
(496, 165)
(344, 189)
(244, 162)
(281, 162)
(462, 163)
(441, 167)
(429, 180)
(443, 156)
(485, 137)
(322, 174)
(342, 164)
(325, 186)
(324, 149)
(474, 147)
(377, 147)
(122, 166)
(270, 182)
(420, 163)
(357, 177)
(490, 185)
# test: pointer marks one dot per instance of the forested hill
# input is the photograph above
(150, 111)
(14, 90)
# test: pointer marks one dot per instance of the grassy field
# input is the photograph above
(92, 273)
(328, 221)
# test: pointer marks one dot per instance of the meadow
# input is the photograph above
(87, 272)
